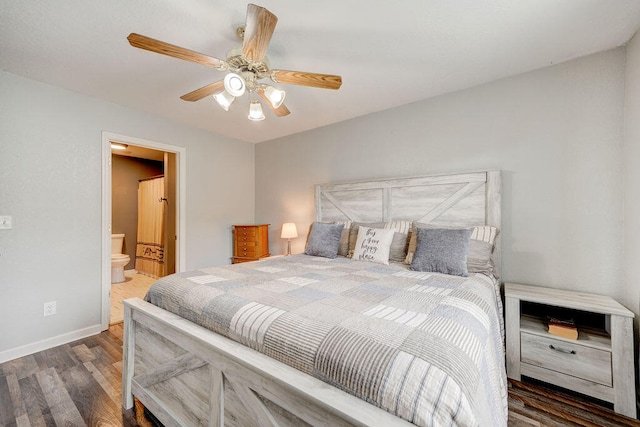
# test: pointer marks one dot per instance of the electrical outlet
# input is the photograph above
(49, 308)
(6, 222)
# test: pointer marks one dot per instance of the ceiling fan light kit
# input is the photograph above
(245, 66)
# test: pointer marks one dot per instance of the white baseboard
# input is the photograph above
(45, 344)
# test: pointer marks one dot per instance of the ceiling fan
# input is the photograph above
(247, 66)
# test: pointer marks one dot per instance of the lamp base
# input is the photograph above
(288, 247)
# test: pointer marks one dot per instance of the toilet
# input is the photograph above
(118, 259)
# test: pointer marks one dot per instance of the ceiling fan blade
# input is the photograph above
(323, 81)
(281, 111)
(258, 30)
(153, 45)
(205, 91)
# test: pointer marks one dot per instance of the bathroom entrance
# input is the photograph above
(143, 206)
(142, 190)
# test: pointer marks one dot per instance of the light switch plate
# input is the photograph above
(5, 222)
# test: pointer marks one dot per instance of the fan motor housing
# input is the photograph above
(240, 64)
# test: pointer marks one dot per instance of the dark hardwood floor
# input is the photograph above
(80, 384)
(71, 385)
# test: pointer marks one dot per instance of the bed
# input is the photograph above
(333, 341)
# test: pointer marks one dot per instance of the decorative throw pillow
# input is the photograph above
(481, 246)
(324, 239)
(373, 245)
(442, 250)
(399, 244)
(353, 233)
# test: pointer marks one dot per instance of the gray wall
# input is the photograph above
(632, 174)
(125, 173)
(556, 134)
(50, 181)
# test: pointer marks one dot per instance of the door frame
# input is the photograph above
(181, 172)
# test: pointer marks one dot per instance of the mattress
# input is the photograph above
(425, 347)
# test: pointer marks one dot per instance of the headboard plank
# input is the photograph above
(386, 204)
(494, 211)
(452, 200)
(338, 205)
(407, 182)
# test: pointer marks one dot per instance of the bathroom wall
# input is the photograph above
(125, 173)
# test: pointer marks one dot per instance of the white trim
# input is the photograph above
(45, 344)
(181, 217)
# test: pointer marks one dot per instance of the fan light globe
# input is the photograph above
(275, 96)
(234, 84)
(255, 111)
(225, 99)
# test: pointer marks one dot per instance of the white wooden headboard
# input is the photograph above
(466, 199)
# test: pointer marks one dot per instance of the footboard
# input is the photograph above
(189, 376)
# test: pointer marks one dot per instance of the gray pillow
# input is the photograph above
(324, 239)
(442, 250)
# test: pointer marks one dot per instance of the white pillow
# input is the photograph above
(373, 245)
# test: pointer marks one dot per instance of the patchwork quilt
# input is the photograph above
(426, 347)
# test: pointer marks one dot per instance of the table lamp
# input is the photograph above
(289, 232)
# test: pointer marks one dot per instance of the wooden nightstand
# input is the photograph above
(599, 363)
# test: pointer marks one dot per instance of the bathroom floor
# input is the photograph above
(135, 285)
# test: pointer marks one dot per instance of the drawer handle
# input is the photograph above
(562, 350)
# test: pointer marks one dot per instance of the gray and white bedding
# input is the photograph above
(426, 347)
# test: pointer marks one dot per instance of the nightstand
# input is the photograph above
(599, 363)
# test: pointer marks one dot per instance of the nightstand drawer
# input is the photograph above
(566, 357)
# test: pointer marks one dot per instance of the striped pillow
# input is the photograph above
(400, 242)
(343, 246)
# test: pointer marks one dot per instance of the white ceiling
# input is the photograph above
(388, 53)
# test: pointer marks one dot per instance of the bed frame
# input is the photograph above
(187, 375)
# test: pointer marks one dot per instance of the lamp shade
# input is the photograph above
(225, 99)
(255, 111)
(234, 84)
(289, 231)
(275, 96)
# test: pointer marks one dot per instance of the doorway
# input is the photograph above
(174, 162)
